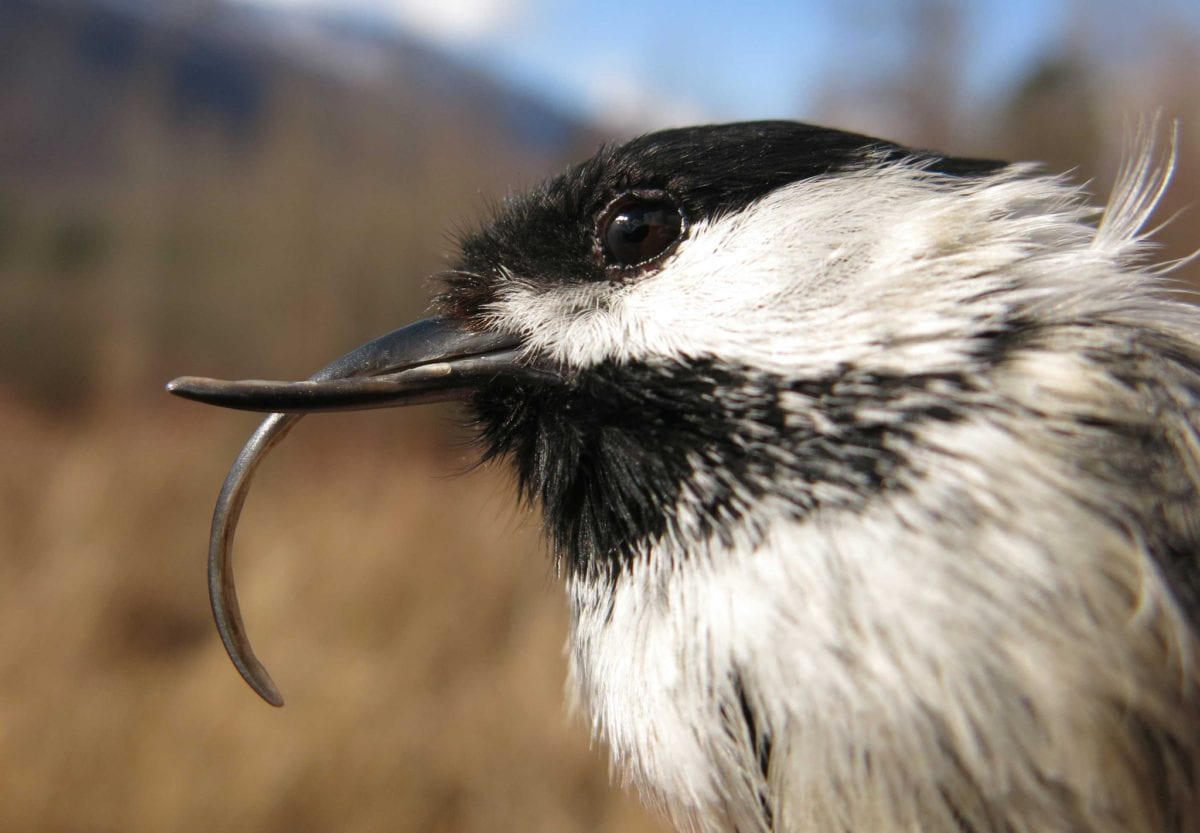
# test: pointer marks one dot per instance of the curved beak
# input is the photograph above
(433, 360)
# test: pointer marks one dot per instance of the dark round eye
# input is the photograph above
(636, 230)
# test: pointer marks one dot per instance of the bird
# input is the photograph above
(871, 473)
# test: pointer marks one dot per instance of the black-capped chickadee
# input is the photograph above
(872, 474)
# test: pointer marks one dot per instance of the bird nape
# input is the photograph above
(872, 474)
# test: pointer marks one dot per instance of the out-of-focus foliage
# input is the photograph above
(185, 189)
(189, 192)
(420, 651)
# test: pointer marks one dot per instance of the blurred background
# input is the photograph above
(238, 189)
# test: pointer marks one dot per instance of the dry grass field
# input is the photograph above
(410, 617)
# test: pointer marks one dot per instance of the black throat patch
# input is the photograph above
(622, 455)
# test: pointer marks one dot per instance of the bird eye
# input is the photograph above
(636, 230)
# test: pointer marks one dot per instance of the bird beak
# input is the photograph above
(432, 360)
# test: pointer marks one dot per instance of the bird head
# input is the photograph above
(696, 324)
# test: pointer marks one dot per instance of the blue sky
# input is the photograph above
(764, 60)
(674, 61)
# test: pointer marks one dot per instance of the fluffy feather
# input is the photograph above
(953, 585)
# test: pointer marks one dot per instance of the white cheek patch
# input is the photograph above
(724, 271)
(891, 266)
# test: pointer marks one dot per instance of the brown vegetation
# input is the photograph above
(404, 612)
